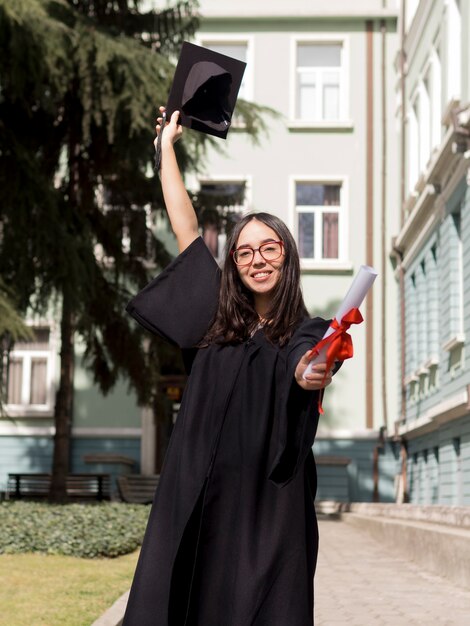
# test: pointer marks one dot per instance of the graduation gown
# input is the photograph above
(232, 536)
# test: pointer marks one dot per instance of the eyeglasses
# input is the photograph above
(270, 251)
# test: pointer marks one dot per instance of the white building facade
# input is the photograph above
(328, 168)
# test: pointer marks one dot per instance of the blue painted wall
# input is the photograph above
(439, 465)
(88, 445)
(34, 454)
(437, 294)
(437, 307)
(24, 454)
(355, 482)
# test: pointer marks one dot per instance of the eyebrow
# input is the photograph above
(248, 245)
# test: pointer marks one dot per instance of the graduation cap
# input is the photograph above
(204, 90)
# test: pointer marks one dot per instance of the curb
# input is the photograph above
(115, 614)
(440, 549)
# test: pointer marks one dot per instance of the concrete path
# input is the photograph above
(360, 583)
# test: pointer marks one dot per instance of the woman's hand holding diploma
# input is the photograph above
(314, 380)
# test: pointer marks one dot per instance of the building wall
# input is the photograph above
(32, 453)
(439, 465)
(345, 468)
(291, 151)
(434, 255)
(109, 425)
(295, 151)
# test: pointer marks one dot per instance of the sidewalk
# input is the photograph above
(360, 583)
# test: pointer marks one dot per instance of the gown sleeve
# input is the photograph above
(297, 409)
(180, 303)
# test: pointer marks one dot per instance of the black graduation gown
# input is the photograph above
(232, 535)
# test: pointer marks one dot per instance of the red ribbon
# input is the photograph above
(339, 344)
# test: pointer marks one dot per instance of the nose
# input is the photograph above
(257, 260)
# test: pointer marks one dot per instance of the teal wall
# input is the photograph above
(439, 465)
(437, 310)
(437, 296)
(24, 454)
(118, 409)
(34, 454)
(354, 482)
(88, 445)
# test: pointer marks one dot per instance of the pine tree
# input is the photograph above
(79, 84)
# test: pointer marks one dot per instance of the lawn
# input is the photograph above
(53, 590)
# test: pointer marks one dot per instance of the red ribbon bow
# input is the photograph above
(339, 344)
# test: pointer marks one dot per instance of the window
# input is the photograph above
(458, 478)
(435, 90)
(237, 50)
(422, 326)
(433, 304)
(411, 7)
(435, 476)
(411, 325)
(320, 89)
(29, 385)
(318, 220)
(424, 119)
(454, 50)
(220, 204)
(426, 482)
(430, 106)
(413, 147)
(419, 133)
(423, 312)
(455, 274)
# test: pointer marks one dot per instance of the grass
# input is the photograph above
(52, 590)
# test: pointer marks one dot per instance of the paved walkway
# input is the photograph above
(360, 583)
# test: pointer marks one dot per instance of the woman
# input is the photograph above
(232, 535)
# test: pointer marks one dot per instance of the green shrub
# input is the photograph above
(83, 530)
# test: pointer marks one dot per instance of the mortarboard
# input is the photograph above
(204, 91)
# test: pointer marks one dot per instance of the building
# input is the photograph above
(327, 166)
(432, 251)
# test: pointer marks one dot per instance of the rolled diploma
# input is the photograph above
(353, 299)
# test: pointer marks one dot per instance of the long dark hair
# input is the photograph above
(236, 318)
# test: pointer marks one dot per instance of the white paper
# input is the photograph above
(353, 299)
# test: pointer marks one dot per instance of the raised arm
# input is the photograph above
(178, 204)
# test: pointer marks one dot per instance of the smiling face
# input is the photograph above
(261, 276)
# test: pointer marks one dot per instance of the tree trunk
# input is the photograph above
(63, 408)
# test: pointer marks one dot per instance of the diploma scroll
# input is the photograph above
(353, 300)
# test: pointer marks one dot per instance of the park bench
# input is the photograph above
(137, 488)
(79, 486)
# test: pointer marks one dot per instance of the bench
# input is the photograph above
(137, 488)
(79, 486)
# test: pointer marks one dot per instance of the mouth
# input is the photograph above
(261, 275)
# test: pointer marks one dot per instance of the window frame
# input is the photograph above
(453, 35)
(342, 263)
(50, 354)
(220, 179)
(413, 155)
(343, 120)
(435, 69)
(206, 39)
